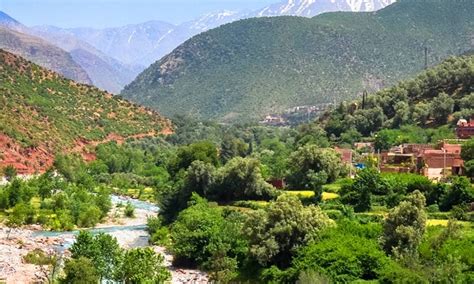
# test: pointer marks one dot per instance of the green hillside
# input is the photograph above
(41, 108)
(438, 96)
(248, 68)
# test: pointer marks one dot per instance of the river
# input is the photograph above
(130, 233)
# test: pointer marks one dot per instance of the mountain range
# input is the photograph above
(135, 47)
(248, 68)
(65, 54)
(42, 53)
(142, 44)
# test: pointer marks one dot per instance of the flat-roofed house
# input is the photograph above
(441, 163)
(465, 129)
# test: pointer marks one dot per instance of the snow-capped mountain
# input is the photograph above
(311, 8)
(127, 43)
(143, 44)
(213, 20)
(139, 45)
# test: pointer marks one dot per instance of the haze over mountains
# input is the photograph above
(42, 53)
(111, 58)
(253, 67)
(144, 43)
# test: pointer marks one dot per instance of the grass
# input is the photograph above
(308, 194)
(334, 187)
(444, 223)
(147, 193)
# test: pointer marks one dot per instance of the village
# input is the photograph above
(436, 162)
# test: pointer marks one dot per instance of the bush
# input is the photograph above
(161, 237)
(22, 214)
(89, 216)
(129, 210)
(347, 253)
(38, 257)
(80, 270)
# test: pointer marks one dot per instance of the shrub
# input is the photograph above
(38, 257)
(129, 210)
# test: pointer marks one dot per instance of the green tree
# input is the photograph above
(274, 155)
(311, 134)
(80, 271)
(421, 113)
(346, 253)
(200, 178)
(142, 265)
(9, 172)
(204, 151)
(459, 193)
(276, 232)
(359, 193)
(21, 214)
(232, 147)
(469, 166)
(405, 225)
(441, 107)
(467, 154)
(195, 230)
(384, 139)
(241, 179)
(103, 250)
(310, 159)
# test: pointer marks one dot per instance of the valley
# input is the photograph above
(304, 141)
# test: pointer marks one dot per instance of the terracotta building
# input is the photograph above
(439, 163)
(465, 129)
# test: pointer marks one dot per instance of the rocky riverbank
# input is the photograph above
(130, 233)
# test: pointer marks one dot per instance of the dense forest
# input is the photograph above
(247, 69)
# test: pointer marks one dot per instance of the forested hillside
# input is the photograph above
(434, 98)
(43, 113)
(248, 68)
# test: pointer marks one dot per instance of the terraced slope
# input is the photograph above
(43, 113)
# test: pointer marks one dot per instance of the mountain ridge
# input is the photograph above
(250, 67)
(169, 36)
(43, 53)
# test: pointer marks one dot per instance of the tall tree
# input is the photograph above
(276, 232)
(441, 107)
(142, 265)
(311, 159)
(103, 250)
(405, 225)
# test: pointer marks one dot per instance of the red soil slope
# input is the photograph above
(34, 160)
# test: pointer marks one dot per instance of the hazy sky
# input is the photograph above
(109, 13)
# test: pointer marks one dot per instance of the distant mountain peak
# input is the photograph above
(310, 8)
(9, 22)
